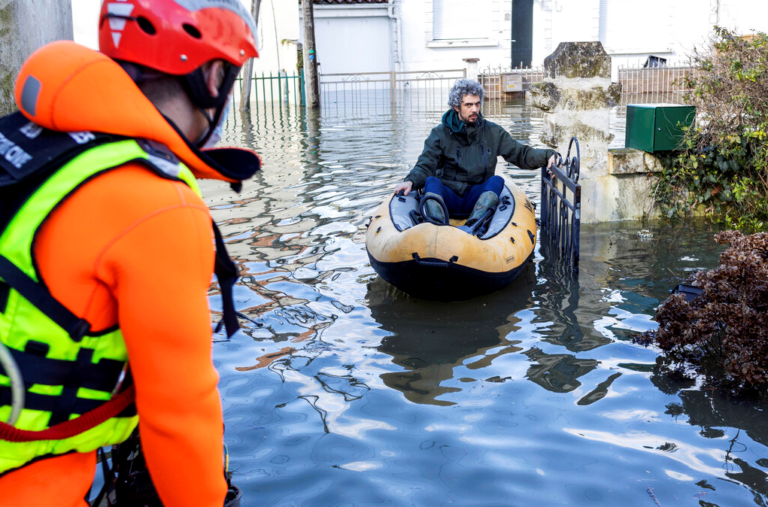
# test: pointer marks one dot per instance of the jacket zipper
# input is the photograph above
(485, 164)
(458, 161)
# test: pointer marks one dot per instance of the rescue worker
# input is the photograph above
(457, 167)
(107, 251)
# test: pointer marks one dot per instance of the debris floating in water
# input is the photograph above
(645, 234)
(653, 497)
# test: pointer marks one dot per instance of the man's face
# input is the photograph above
(469, 109)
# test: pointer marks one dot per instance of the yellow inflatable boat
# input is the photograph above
(442, 261)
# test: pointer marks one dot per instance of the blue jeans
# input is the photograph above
(462, 206)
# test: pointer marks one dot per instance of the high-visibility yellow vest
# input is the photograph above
(67, 371)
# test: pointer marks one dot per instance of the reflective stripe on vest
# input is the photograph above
(64, 378)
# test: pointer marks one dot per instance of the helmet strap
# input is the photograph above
(212, 122)
(197, 90)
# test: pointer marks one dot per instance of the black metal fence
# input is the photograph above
(561, 209)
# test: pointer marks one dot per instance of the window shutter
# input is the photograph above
(461, 19)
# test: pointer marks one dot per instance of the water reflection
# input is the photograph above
(353, 393)
(737, 426)
(430, 339)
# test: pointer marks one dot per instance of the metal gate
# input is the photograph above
(389, 90)
(561, 209)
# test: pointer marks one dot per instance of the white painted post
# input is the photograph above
(471, 67)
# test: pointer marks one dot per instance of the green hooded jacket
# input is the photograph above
(461, 155)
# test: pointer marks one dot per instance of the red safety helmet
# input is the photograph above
(177, 36)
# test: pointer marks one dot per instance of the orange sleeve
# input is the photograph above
(159, 271)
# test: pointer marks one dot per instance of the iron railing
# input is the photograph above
(494, 79)
(561, 209)
(650, 85)
(274, 89)
(420, 90)
(640, 85)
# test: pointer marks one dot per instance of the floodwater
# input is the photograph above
(350, 393)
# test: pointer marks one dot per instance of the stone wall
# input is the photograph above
(636, 180)
(577, 94)
(26, 25)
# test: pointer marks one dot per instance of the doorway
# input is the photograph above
(522, 33)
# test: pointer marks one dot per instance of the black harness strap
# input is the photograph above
(42, 299)
(68, 400)
(5, 292)
(226, 272)
(38, 369)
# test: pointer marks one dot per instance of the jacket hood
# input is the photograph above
(452, 121)
(69, 88)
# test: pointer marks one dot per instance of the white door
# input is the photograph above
(351, 45)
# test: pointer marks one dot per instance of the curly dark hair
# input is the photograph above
(464, 87)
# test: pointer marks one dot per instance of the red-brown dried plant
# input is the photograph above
(723, 333)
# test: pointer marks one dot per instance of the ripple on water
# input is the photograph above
(352, 393)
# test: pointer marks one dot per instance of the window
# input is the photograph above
(635, 27)
(461, 19)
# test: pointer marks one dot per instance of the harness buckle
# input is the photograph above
(80, 329)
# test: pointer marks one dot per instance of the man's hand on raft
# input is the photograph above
(406, 187)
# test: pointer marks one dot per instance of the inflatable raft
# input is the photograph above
(442, 261)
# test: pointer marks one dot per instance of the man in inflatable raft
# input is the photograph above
(458, 163)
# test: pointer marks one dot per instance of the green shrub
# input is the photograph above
(722, 164)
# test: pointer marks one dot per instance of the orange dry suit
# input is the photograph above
(115, 269)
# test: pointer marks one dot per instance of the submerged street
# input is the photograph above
(345, 391)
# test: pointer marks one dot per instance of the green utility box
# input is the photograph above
(657, 127)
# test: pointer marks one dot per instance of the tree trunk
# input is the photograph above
(245, 93)
(311, 79)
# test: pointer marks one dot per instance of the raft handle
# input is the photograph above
(434, 264)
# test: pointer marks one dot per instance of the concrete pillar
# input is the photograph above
(471, 67)
(577, 94)
(27, 25)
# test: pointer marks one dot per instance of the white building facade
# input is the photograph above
(410, 35)
(422, 35)
(632, 30)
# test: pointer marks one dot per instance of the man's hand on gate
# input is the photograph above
(550, 163)
(405, 186)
